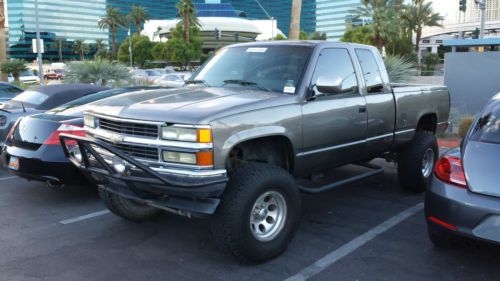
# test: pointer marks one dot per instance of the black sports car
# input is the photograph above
(32, 149)
(39, 99)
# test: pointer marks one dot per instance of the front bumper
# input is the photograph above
(189, 192)
(474, 215)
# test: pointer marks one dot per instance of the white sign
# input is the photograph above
(35, 49)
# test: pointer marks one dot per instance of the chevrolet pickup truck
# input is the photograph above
(239, 141)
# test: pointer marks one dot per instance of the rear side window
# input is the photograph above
(371, 71)
(487, 127)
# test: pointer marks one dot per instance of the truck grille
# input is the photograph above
(149, 153)
(127, 128)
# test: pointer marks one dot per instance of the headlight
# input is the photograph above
(89, 121)
(201, 135)
(179, 157)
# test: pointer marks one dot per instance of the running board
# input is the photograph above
(375, 170)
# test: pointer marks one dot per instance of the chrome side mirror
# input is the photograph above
(329, 85)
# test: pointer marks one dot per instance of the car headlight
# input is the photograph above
(201, 135)
(89, 121)
(179, 157)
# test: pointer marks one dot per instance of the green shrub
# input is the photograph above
(464, 125)
(400, 69)
(98, 72)
(15, 67)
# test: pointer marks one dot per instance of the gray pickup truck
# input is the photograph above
(239, 142)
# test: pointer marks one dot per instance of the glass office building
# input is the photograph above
(334, 17)
(62, 22)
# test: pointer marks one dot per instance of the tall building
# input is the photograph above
(334, 17)
(61, 24)
(280, 10)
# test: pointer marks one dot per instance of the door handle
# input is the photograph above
(362, 109)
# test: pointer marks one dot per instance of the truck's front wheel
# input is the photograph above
(128, 209)
(259, 213)
(416, 162)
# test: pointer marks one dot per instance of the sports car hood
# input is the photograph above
(481, 161)
(188, 105)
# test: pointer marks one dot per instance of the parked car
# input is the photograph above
(463, 199)
(8, 91)
(39, 99)
(175, 80)
(27, 77)
(57, 74)
(251, 122)
(33, 149)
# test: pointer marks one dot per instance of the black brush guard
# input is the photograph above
(181, 194)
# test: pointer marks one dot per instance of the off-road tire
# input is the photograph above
(126, 208)
(231, 224)
(410, 160)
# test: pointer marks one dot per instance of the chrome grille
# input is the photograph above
(128, 128)
(149, 153)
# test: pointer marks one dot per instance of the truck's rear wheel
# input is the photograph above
(416, 162)
(259, 213)
(128, 209)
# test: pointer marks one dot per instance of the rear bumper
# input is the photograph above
(188, 192)
(473, 215)
(34, 166)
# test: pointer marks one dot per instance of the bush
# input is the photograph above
(15, 67)
(464, 125)
(430, 61)
(98, 72)
(400, 69)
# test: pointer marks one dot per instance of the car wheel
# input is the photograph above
(128, 209)
(416, 162)
(259, 213)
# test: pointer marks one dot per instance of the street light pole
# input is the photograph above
(269, 16)
(39, 46)
(482, 7)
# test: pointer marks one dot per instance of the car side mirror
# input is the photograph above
(329, 85)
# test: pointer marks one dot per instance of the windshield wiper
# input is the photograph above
(192, 82)
(247, 83)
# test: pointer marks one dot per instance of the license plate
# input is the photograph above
(14, 163)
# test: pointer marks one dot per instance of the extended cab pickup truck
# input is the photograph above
(239, 140)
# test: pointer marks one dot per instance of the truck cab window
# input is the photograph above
(336, 64)
(371, 71)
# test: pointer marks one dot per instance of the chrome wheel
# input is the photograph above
(268, 216)
(428, 162)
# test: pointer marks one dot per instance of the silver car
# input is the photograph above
(463, 199)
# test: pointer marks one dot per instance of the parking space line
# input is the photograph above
(8, 178)
(353, 245)
(85, 217)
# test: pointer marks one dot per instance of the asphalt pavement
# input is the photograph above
(370, 230)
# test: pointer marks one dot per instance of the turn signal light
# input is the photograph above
(450, 169)
(205, 158)
(204, 135)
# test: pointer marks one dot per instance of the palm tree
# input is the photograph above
(419, 14)
(294, 33)
(100, 45)
(112, 20)
(383, 15)
(80, 48)
(58, 44)
(99, 72)
(187, 11)
(138, 15)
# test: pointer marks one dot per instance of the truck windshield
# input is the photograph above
(273, 68)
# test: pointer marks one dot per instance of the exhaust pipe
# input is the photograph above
(53, 183)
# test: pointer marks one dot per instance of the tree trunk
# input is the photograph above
(294, 33)
(60, 52)
(418, 33)
(113, 42)
(185, 18)
(138, 28)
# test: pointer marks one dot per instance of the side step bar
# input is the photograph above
(375, 170)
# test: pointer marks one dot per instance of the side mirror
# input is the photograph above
(329, 85)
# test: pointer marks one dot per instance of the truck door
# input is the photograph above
(334, 125)
(379, 102)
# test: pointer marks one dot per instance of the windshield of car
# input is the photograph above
(31, 97)
(27, 72)
(153, 73)
(274, 68)
(487, 127)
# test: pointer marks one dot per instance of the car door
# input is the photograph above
(334, 125)
(380, 104)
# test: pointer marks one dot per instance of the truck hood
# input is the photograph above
(188, 105)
